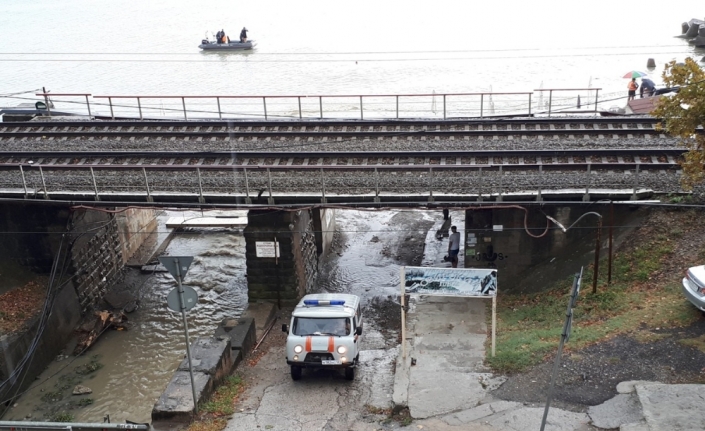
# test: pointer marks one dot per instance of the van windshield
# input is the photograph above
(337, 326)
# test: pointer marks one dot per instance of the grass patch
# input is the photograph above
(62, 417)
(529, 326)
(212, 413)
(698, 342)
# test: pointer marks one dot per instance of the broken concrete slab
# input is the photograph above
(479, 412)
(673, 407)
(627, 387)
(622, 409)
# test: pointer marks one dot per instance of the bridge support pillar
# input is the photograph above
(287, 277)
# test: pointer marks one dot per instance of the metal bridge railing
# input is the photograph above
(352, 106)
(308, 182)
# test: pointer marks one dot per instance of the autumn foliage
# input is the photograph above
(683, 114)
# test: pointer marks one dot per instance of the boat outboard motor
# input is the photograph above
(204, 41)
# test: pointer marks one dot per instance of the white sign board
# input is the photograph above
(450, 281)
(267, 248)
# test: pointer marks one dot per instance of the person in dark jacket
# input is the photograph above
(219, 36)
(648, 87)
(243, 35)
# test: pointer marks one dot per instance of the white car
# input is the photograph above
(694, 286)
(324, 332)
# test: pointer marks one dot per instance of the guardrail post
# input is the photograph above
(376, 185)
(183, 103)
(220, 113)
(586, 196)
(139, 107)
(24, 183)
(201, 199)
(44, 185)
(95, 185)
(88, 105)
(430, 185)
(499, 197)
(323, 188)
(540, 185)
(270, 201)
(482, 103)
(444, 106)
(264, 103)
(550, 101)
(361, 114)
(529, 104)
(597, 90)
(110, 102)
(247, 187)
(397, 107)
(636, 182)
(320, 106)
(300, 117)
(146, 184)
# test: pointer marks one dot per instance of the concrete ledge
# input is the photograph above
(213, 359)
(212, 362)
(240, 334)
(176, 403)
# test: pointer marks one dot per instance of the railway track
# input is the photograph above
(326, 129)
(571, 159)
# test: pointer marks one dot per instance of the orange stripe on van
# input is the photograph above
(331, 347)
(308, 343)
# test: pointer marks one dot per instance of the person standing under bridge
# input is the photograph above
(454, 246)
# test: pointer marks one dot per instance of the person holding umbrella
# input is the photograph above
(633, 86)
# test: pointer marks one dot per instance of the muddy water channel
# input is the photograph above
(128, 370)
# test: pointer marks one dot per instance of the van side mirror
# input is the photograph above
(358, 330)
(285, 328)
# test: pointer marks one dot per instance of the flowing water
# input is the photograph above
(124, 47)
(138, 363)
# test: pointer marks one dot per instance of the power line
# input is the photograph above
(357, 60)
(359, 52)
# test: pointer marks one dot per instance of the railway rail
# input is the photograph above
(571, 159)
(328, 129)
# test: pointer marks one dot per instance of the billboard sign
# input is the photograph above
(450, 281)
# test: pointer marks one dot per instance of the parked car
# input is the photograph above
(694, 286)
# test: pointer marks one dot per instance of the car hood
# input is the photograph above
(697, 274)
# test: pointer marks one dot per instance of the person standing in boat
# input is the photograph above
(243, 35)
(219, 36)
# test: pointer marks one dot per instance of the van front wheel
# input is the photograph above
(350, 373)
(295, 372)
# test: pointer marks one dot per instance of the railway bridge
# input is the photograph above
(293, 175)
(86, 192)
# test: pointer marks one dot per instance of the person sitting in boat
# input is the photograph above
(224, 38)
(243, 35)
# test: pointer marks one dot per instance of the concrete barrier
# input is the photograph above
(213, 359)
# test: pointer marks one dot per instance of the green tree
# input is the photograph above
(682, 115)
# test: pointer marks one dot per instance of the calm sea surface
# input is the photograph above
(129, 47)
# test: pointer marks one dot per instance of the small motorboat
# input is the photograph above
(211, 44)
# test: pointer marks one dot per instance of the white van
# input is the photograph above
(325, 332)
